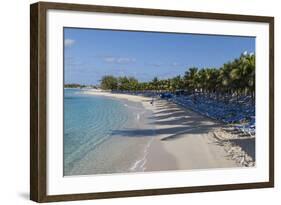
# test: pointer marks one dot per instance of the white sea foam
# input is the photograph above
(139, 165)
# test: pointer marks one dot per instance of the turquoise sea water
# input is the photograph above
(92, 143)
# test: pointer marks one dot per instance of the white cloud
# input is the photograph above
(109, 59)
(155, 64)
(68, 42)
(126, 60)
(176, 64)
(119, 60)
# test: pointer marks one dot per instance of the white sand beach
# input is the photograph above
(183, 139)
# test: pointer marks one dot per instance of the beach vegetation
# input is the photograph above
(74, 85)
(109, 82)
(234, 79)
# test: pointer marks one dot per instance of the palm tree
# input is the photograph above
(190, 80)
(133, 83)
(176, 83)
(109, 82)
(155, 84)
(249, 63)
(201, 80)
(234, 78)
(224, 80)
(212, 79)
(123, 83)
(241, 75)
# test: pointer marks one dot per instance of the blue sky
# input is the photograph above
(90, 53)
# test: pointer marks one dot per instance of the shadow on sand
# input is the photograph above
(175, 122)
(248, 145)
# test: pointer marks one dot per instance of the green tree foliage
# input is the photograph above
(109, 82)
(127, 83)
(74, 85)
(234, 78)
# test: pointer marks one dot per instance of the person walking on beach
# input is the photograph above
(152, 101)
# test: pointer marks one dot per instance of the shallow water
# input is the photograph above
(99, 134)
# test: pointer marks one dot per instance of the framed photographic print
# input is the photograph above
(134, 102)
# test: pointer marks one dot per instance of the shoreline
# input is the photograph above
(135, 98)
(140, 164)
(106, 157)
(179, 133)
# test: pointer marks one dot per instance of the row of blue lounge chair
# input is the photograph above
(236, 112)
